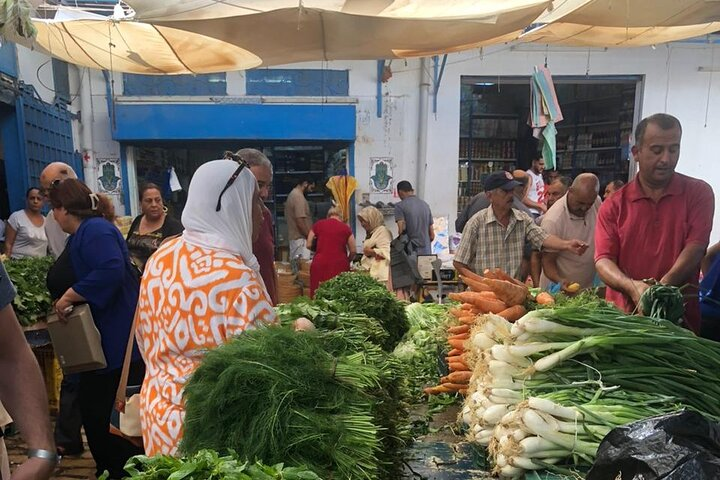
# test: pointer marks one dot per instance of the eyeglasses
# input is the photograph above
(53, 184)
(233, 177)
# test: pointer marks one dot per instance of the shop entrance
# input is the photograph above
(599, 116)
(291, 160)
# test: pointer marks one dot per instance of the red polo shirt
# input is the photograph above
(264, 251)
(644, 238)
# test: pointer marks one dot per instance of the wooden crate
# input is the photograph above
(52, 373)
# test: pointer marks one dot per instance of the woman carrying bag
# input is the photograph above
(376, 247)
(105, 280)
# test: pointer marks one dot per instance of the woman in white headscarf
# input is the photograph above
(376, 247)
(197, 291)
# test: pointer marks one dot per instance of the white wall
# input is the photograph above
(671, 84)
(36, 68)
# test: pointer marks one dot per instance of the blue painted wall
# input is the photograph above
(157, 122)
(201, 85)
(297, 82)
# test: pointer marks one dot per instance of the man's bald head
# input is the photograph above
(55, 171)
(583, 193)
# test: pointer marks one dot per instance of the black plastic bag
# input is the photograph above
(678, 446)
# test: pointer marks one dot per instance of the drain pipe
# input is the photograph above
(86, 126)
(422, 128)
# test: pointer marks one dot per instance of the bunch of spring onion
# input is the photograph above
(605, 366)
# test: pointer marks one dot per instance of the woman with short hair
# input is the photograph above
(106, 281)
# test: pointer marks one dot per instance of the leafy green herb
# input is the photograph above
(32, 301)
(209, 465)
(359, 293)
(663, 302)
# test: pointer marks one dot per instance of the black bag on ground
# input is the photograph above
(403, 263)
(678, 446)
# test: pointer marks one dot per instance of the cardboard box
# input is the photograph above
(77, 342)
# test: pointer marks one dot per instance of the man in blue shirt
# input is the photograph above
(413, 217)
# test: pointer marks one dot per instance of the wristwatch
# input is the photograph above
(43, 454)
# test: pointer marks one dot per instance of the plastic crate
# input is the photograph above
(52, 374)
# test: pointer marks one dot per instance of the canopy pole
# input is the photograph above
(438, 70)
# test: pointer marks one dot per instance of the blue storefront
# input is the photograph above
(33, 133)
(282, 114)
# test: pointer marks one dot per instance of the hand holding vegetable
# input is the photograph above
(637, 288)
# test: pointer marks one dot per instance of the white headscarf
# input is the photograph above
(230, 229)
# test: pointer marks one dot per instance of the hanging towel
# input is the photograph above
(174, 181)
(545, 112)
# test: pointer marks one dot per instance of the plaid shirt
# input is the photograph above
(486, 243)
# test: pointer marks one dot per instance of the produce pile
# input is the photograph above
(32, 301)
(423, 345)
(208, 465)
(546, 389)
(359, 293)
(334, 399)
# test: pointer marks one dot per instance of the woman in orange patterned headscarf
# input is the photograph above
(198, 291)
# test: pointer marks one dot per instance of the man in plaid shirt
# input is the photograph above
(495, 237)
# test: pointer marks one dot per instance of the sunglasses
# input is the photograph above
(233, 177)
(53, 184)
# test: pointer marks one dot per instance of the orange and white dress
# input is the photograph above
(192, 299)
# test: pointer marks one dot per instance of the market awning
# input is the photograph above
(575, 35)
(127, 46)
(286, 31)
(633, 13)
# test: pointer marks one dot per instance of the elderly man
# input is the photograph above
(556, 190)
(573, 216)
(481, 201)
(495, 237)
(657, 226)
(68, 425)
(51, 175)
(264, 245)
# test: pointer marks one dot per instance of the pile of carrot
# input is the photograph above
(495, 292)
(459, 377)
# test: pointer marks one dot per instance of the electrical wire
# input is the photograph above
(73, 97)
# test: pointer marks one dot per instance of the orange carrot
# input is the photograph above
(473, 276)
(501, 275)
(436, 390)
(508, 292)
(513, 313)
(467, 320)
(455, 352)
(489, 274)
(459, 329)
(459, 377)
(458, 367)
(475, 285)
(463, 391)
(544, 298)
(457, 312)
(459, 344)
(479, 301)
(459, 336)
(454, 387)
(465, 306)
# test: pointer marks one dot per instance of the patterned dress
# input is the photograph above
(191, 299)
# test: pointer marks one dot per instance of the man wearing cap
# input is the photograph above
(495, 237)
(413, 217)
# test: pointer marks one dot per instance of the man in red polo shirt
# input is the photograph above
(658, 226)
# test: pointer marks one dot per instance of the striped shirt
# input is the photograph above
(486, 243)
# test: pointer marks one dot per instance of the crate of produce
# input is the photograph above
(52, 374)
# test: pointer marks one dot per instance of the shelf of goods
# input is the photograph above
(488, 145)
(595, 135)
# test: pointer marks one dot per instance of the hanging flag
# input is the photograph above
(342, 188)
(545, 112)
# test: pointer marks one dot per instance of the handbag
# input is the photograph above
(125, 415)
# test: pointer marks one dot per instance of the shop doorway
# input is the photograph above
(599, 116)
